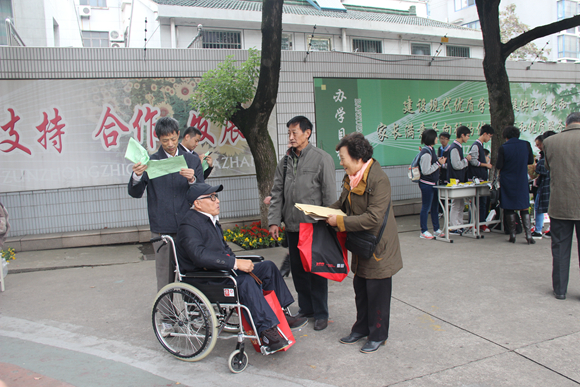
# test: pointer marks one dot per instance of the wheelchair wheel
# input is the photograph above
(184, 322)
(238, 361)
(233, 324)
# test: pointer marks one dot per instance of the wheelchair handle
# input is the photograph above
(157, 239)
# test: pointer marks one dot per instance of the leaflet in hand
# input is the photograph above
(318, 212)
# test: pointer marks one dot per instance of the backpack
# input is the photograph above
(414, 173)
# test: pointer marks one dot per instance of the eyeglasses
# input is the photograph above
(213, 197)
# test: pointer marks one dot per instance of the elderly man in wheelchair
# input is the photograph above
(206, 262)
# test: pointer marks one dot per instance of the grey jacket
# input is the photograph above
(310, 179)
(561, 151)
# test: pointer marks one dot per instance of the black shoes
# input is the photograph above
(372, 346)
(297, 321)
(352, 338)
(511, 223)
(560, 296)
(285, 268)
(272, 339)
(320, 324)
(527, 224)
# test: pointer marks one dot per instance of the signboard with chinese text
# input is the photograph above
(73, 133)
(392, 114)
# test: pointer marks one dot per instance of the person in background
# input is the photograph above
(513, 159)
(4, 226)
(442, 151)
(542, 198)
(429, 166)
(365, 197)
(166, 201)
(190, 140)
(479, 166)
(309, 179)
(457, 169)
(561, 152)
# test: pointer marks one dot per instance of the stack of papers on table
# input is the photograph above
(318, 212)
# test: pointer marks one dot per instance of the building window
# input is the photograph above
(5, 13)
(567, 8)
(475, 25)
(286, 42)
(420, 49)
(94, 3)
(567, 46)
(458, 51)
(460, 4)
(362, 45)
(222, 39)
(319, 44)
(95, 39)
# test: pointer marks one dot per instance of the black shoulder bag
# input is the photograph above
(363, 244)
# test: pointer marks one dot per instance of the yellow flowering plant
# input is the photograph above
(9, 254)
(252, 236)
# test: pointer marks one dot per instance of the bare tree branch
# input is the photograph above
(538, 32)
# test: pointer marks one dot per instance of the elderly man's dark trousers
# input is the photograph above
(251, 294)
(562, 232)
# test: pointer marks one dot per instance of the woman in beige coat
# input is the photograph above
(365, 197)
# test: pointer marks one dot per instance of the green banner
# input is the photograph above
(392, 114)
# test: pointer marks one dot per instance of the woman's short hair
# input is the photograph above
(357, 145)
(511, 132)
(428, 137)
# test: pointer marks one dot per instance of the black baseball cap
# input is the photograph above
(198, 189)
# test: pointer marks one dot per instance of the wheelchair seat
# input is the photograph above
(217, 286)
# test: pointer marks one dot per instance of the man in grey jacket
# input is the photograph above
(306, 175)
(561, 153)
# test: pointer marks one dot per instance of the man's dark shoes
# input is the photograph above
(295, 321)
(352, 338)
(372, 346)
(320, 324)
(272, 339)
(559, 296)
(307, 315)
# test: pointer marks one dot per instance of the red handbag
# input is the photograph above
(323, 251)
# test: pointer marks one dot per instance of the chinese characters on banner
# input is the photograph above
(456, 105)
(111, 127)
(51, 133)
(398, 111)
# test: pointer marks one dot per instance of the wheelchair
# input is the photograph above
(191, 314)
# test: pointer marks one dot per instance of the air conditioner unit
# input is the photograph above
(116, 36)
(115, 45)
(85, 11)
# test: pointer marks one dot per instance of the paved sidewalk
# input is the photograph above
(471, 313)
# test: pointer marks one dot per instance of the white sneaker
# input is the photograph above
(166, 329)
(426, 235)
(439, 234)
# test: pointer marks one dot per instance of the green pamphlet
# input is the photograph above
(155, 168)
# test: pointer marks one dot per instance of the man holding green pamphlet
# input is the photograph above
(166, 176)
(191, 138)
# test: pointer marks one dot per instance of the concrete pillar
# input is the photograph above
(344, 40)
(173, 35)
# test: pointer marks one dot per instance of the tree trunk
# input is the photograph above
(498, 85)
(253, 121)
